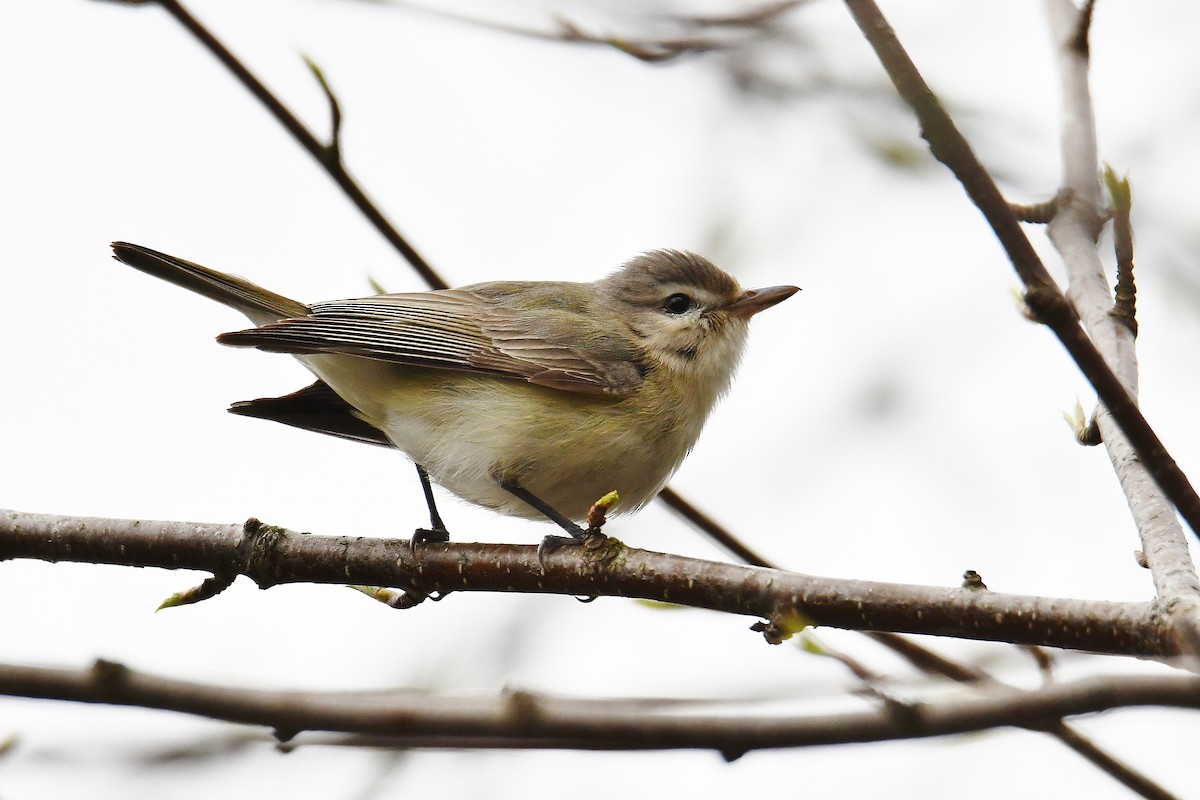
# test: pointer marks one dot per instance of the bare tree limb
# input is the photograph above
(527, 720)
(934, 664)
(1074, 232)
(1042, 295)
(271, 556)
(930, 662)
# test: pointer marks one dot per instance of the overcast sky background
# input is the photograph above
(898, 420)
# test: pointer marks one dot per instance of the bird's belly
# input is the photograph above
(569, 450)
(472, 432)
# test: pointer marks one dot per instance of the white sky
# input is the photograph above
(896, 421)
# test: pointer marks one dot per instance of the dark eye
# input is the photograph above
(677, 304)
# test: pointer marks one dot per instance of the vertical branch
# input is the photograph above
(1041, 294)
(1074, 231)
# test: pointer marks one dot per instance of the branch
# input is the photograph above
(271, 556)
(1042, 295)
(711, 528)
(934, 664)
(327, 155)
(1073, 232)
(701, 34)
(527, 720)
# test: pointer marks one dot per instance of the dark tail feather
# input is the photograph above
(252, 300)
(314, 408)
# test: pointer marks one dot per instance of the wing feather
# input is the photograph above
(458, 329)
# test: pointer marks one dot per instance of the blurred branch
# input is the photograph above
(932, 663)
(695, 34)
(1074, 232)
(719, 534)
(754, 48)
(1042, 295)
(789, 601)
(1038, 213)
(527, 720)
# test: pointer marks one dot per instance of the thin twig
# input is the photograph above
(321, 152)
(334, 148)
(1125, 774)
(1038, 213)
(711, 528)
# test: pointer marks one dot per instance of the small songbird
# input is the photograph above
(531, 398)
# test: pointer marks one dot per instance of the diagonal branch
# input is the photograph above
(1042, 295)
(328, 156)
(933, 663)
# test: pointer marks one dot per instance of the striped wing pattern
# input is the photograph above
(456, 329)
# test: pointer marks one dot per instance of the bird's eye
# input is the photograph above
(677, 304)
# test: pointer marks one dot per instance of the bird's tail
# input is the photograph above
(260, 305)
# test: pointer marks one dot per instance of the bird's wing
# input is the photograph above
(458, 329)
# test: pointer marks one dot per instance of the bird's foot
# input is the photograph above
(551, 543)
(427, 535)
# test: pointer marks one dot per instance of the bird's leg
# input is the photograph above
(549, 543)
(436, 532)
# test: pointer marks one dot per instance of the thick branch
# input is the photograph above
(1042, 295)
(523, 719)
(271, 556)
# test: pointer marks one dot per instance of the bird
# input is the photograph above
(530, 398)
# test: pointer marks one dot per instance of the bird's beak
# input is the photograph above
(752, 301)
